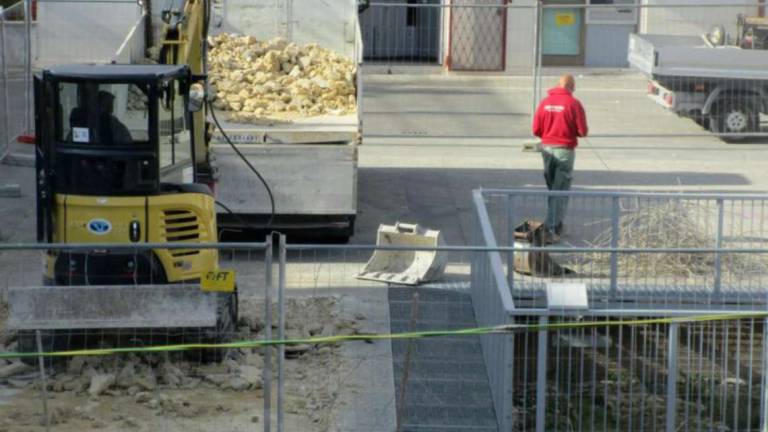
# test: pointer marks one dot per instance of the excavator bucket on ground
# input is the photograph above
(408, 266)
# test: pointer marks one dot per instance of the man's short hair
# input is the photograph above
(567, 81)
(105, 96)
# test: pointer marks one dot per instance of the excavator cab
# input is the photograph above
(115, 152)
(752, 32)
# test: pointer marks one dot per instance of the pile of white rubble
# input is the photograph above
(275, 79)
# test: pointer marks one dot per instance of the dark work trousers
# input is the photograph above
(558, 173)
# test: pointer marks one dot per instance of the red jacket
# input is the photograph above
(560, 119)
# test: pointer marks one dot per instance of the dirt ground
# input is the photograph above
(167, 391)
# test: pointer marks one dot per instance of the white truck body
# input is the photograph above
(691, 57)
(309, 164)
(723, 87)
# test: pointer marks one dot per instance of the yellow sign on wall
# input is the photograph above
(565, 19)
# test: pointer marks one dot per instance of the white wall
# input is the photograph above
(520, 43)
(82, 32)
(329, 23)
(691, 20)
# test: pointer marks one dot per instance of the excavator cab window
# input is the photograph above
(102, 138)
(175, 139)
(108, 115)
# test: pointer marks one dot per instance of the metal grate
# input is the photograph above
(478, 35)
(181, 225)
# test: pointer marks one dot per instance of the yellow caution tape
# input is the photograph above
(475, 331)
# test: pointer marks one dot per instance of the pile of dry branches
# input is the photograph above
(672, 224)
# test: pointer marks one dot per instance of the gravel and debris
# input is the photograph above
(136, 391)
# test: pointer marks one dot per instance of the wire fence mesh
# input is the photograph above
(408, 383)
(591, 369)
(686, 69)
(590, 374)
(638, 223)
(146, 384)
(15, 49)
(698, 376)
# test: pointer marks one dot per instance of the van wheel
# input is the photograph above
(733, 116)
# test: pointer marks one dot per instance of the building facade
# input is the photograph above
(499, 35)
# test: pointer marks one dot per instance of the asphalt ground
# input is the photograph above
(430, 139)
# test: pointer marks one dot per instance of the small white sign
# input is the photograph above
(81, 135)
(572, 296)
(186, 175)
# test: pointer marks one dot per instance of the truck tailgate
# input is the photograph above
(641, 54)
(312, 130)
(318, 179)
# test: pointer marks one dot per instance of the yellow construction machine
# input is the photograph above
(123, 159)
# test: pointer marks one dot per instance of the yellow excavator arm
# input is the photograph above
(182, 42)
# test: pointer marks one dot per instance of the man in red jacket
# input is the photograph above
(559, 121)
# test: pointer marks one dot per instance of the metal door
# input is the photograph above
(406, 31)
(478, 35)
(561, 32)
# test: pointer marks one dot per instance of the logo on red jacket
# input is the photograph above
(554, 108)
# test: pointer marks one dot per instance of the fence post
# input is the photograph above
(764, 382)
(28, 67)
(718, 246)
(289, 20)
(281, 333)
(511, 240)
(43, 380)
(268, 335)
(672, 378)
(509, 380)
(614, 245)
(540, 43)
(6, 137)
(541, 377)
(535, 60)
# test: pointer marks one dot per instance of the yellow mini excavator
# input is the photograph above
(122, 160)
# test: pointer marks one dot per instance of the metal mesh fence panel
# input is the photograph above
(61, 42)
(411, 382)
(639, 223)
(598, 363)
(140, 381)
(14, 81)
(620, 377)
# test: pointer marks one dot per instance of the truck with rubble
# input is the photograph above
(286, 87)
(717, 79)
